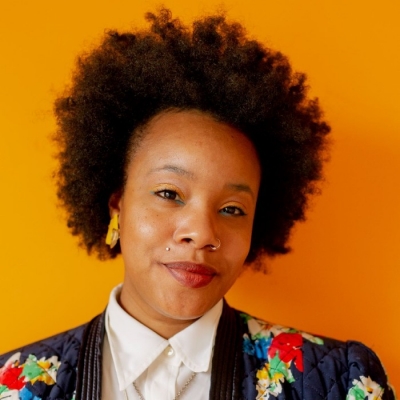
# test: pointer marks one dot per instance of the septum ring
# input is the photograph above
(215, 248)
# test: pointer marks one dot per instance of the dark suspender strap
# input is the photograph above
(227, 363)
(90, 361)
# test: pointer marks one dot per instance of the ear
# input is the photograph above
(114, 203)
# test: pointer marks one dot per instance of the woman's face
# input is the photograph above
(191, 184)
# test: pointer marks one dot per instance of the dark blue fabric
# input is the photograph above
(66, 347)
(328, 369)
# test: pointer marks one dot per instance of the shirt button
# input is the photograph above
(169, 351)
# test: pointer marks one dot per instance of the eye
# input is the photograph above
(167, 194)
(232, 210)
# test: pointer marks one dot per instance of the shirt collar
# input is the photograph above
(134, 346)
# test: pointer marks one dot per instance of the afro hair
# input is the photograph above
(214, 67)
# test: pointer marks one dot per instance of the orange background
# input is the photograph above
(341, 280)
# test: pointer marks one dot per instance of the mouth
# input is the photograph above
(190, 274)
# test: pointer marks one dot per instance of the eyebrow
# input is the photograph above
(175, 169)
(240, 187)
(237, 187)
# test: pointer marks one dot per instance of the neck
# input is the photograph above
(163, 325)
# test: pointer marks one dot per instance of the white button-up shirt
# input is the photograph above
(159, 367)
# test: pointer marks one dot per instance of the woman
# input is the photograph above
(192, 153)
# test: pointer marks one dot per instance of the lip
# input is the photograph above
(190, 274)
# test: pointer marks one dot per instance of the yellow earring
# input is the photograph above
(113, 231)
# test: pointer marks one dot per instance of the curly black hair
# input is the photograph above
(212, 67)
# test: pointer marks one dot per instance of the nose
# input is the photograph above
(197, 228)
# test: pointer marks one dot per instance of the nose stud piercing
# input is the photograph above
(215, 248)
(167, 248)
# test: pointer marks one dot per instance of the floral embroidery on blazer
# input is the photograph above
(14, 376)
(280, 351)
(42, 370)
(271, 362)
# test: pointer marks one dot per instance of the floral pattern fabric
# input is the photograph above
(17, 378)
(280, 351)
(278, 363)
(365, 388)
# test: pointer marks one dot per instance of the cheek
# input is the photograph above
(239, 241)
(145, 226)
(235, 254)
(137, 224)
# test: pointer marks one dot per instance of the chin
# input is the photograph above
(179, 314)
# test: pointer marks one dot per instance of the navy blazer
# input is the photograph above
(252, 359)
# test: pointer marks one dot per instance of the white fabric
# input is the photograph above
(160, 367)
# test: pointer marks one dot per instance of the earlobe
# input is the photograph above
(114, 203)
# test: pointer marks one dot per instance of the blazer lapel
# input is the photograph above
(88, 386)
(227, 363)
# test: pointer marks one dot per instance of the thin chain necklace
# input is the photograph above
(179, 394)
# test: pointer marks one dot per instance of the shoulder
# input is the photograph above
(35, 370)
(316, 367)
(57, 345)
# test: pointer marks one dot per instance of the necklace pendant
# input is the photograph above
(180, 393)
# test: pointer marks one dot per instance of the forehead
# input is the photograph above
(191, 127)
(195, 142)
